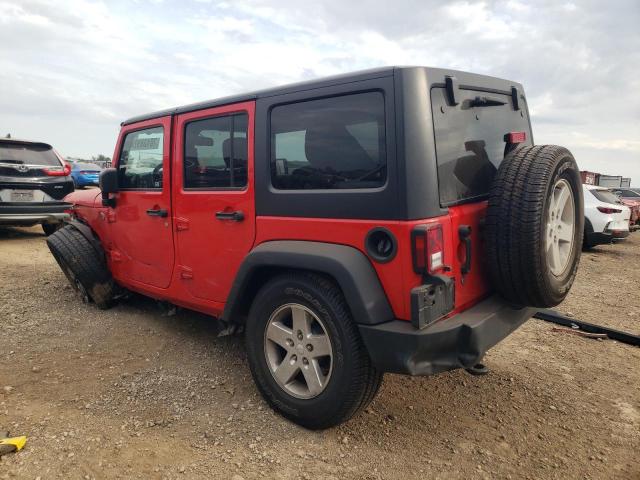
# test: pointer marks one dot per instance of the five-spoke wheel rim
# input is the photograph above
(298, 351)
(561, 224)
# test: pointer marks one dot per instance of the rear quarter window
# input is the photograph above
(330, 143)
(470, 141)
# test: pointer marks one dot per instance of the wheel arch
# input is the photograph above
(348, 267)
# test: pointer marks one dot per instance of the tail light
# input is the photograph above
(62, 171)
(427, 242)
(515, 137)
(608, 210)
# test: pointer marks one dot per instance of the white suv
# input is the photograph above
(606, 218)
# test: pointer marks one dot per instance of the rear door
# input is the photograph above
(140, 224)
(213, 197)
(471, 139)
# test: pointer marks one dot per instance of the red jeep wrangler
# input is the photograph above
(393, 220)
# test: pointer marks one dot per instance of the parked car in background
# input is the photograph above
(631, 198)
(34, 179)
(606, 218)
(85, 174)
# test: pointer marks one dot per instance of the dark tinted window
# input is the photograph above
(28, 154)
(140, 164)
(470, 141)
(605, 196)
(331, 143)
(215, 152)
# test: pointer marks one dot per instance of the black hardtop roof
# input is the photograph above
(319, 83)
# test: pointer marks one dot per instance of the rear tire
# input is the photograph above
(83, 265)
(50, 228)
(348, 380)
(535, 226)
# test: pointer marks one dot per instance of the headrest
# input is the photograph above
(327, 145)
(239, 150)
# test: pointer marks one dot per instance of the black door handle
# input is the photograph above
(236, 216)
(161, 212)
(464, 231)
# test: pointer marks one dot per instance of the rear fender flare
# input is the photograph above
(349, 267)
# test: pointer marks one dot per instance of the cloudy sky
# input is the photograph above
(71, 71)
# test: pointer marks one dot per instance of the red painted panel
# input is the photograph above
(210, 250)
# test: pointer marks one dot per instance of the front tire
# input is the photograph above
(305, 352)
(83, 265)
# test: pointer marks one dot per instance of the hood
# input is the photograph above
(86, 198)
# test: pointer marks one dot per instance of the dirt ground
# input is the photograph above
(135, 393)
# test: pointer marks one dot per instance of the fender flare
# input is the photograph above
(350, 268)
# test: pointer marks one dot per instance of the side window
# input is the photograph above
(140, 163)
(331, 143)
(215, 152)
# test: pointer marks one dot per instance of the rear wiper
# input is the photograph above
(11, 161)
(484, 102)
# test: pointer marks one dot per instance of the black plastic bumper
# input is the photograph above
(30, 213)
(456, 342)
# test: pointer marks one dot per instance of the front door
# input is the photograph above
(141, 249)
(214, 197)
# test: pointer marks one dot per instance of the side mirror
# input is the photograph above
(108, 185)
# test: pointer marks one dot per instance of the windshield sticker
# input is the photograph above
(145, 143)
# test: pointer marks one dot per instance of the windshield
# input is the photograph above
(605, 196)
(470, 141)
(28, 154)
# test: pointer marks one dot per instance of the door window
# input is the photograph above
(215, 153)
(140, 163)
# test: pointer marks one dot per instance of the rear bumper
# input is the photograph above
(86, 181)
(620, 234)
(32, 213)
(457, 342)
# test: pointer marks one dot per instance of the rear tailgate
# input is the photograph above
(470, 140)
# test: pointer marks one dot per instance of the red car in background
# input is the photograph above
(631, 199)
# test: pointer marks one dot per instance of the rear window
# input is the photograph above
(28, 154)
(87, 167)
(605, 196)
(627, 193)
(470, 141)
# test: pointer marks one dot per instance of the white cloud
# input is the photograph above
(71, 70)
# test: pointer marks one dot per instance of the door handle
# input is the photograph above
(236, 216)
(160, 212)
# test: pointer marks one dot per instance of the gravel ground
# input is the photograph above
(135, 393)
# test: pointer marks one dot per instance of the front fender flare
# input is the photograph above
(350, 268)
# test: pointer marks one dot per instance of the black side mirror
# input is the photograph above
(108, 185)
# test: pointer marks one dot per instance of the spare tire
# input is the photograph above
(83, 265)
(535, 225)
